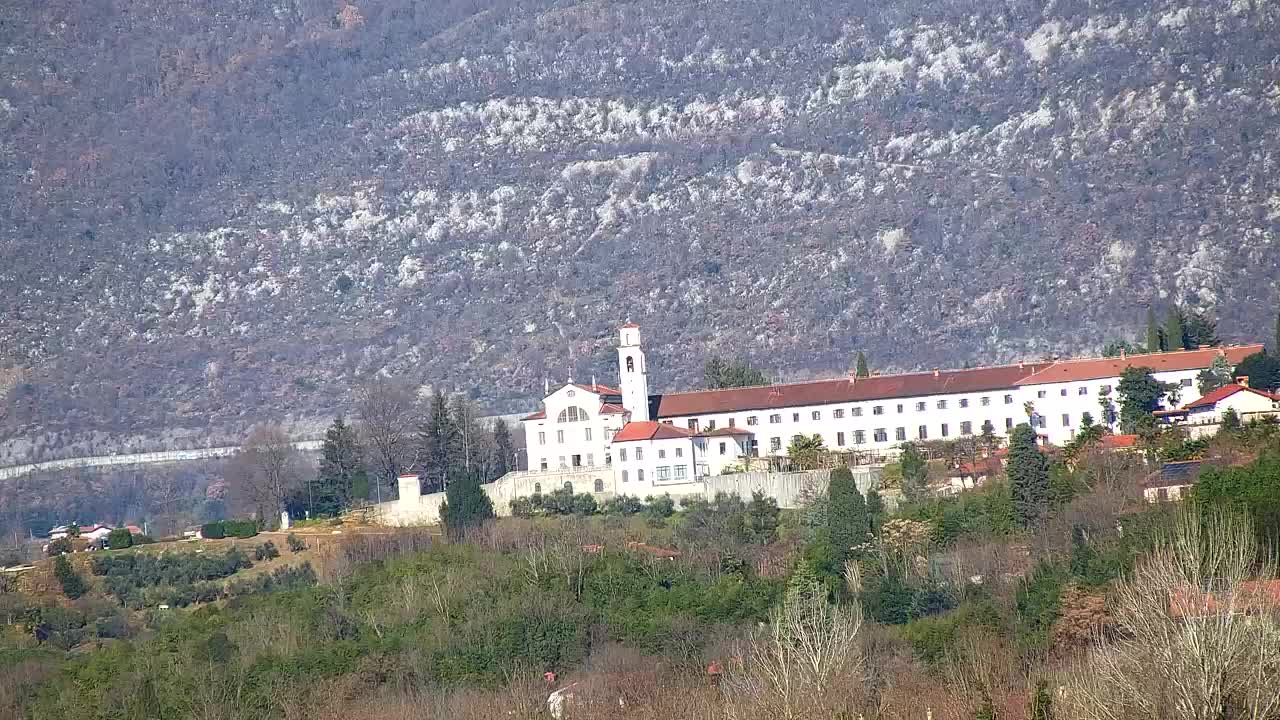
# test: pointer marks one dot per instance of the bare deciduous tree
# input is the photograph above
(1198, 639)
(388, 413)
(790, 665)
(266, 471)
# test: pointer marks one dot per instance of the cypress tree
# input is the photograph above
(465, 506)
(341, 470)
(501, 448)
(1153, 331)
(846, 514)
(863, 371)
(1028, 476)
(73, 586)
(1174, 337)
(875, 510)
(438, 441)
(915, 472)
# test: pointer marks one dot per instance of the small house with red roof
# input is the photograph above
(1204, 416)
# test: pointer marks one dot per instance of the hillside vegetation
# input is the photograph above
(223, 212)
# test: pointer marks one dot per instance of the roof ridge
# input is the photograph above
(844, 378)
(1130, 356)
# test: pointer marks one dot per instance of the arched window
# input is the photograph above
(631, 364)
(537, 488)
(599, 485)
(572, 414)
(624, 476)
(569, 486)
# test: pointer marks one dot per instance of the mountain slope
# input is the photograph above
(231, 211)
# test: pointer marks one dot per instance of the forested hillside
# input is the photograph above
(221, 212)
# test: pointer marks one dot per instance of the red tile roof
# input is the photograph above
(650, 430)
(1224, 392)
(840, 390)
(724, 432)
(1116, 442)
(612, 409)
(541, 414)
(598, 389)
(631, 326)
(1099, 368)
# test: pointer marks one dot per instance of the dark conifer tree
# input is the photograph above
(1028, 476)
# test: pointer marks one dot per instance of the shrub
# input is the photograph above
(266, 551)
(295, 543)
(59, 546)
(213, 531)
(73, 586)
(148, 540)
(120, 539)
(240, 528)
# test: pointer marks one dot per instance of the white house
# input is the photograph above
(1203, 417)
(590, 427)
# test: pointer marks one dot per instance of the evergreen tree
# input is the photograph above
(341, 472)
(73, 586)
(875, 510)
(719, 374)
(502, 452)
(1140, 395)
(1174, 338)
(438, 441)
(1028, 476)
(1153, 331)
(863, 371)
(761, 518)
(1200, 329)
(465, 506)
(804, 582)
(915, 472)
(1217, 375)
(1262, 369)
(847, 521)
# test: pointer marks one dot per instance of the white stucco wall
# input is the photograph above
(558, 442)
(1054, 400)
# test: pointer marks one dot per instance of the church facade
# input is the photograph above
(647, 444)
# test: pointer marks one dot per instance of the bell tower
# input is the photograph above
(633, 374)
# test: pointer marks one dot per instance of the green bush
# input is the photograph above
(59, 546)
(213, 531)
(266, 551)
(120, 539)
(295, 543)
(240, 528)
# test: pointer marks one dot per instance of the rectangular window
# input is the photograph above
(795, 417)
(1104, 390)
(986, 401)
(1063, 392)
(1186, 382)
(639, 454)
(542, 438)
(711, 424)
(1084, 390)
(1041, 393)
(662, 454)
(880, 435)
(920, 406)
(922, 432)
(1008, 399)
(591, 460)
(753, 420)
(840, 439)
(774, 419)
(563, 464)
(859, 437)
(693, 423)
(816, 415)
(966, 428)
(682, 472)
(857, 412)
(1008, 423)
(543, 464)
(1066, 420)
(944, 430)
(775, 444)
(587, 434)
(942, 404)
(724, 448)
(640, 475)
(560, 436)
(622, 454)
(733, 422)
(964, 402)
(900, 434)
(837, 413)
(1041, 421)
(664, 473)
(877, 410)
(624, 476)
(679, 452)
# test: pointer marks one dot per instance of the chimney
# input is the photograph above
(936, 372)
(1022, 365)
(1243, 381)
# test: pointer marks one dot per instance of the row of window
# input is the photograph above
(838, 413)
(662, 473)
(639, 454)
(576, 461)
(1102, 389)
(586, 436)
(598, 486)
(880, 435)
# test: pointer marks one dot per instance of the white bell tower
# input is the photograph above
(633, 373)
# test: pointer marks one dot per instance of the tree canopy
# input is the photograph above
(1262, 369)
(720, 374)
(1028, 475)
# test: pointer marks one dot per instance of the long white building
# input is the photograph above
(645, 444)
